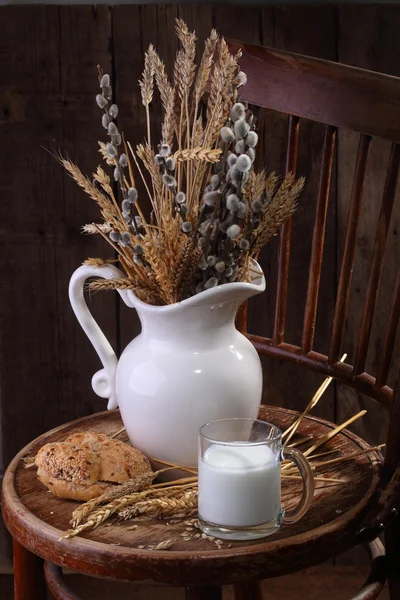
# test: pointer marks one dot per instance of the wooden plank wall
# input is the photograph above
(48, 58)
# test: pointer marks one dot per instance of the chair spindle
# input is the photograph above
(260, 154)
(346, 271)
(284, 241)
(317, 251)
(377, 259)
(390, 335)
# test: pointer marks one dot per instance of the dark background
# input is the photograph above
(48, 58)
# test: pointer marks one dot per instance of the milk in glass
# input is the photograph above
(239, 485)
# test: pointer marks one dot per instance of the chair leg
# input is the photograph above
(205, 592)
(28, 574)
(392, 543)
(248, 591)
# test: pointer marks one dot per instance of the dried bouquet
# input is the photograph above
(210, 211)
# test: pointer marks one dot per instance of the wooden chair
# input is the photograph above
(337, 96)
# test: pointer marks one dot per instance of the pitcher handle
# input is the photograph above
(104, 381)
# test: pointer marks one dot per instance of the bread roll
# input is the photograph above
(86, 464)
(119, 462)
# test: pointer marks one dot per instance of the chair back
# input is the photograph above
(338, 96)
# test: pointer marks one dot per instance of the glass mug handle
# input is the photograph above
(292, 516)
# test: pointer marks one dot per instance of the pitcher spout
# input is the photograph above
(212, 311)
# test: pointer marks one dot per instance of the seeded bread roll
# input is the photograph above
(119, 462)
(86, 464)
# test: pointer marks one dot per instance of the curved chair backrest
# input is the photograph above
(339, 96)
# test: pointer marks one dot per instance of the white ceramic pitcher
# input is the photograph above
(188, 366)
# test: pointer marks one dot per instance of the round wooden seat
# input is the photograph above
(37, 519)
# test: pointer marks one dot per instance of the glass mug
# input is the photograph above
(240, 479)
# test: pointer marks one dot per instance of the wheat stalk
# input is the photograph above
(140, 172)
(278, 210)
(104, 154)
(157, 263)
(98, 262)
(137, 484)
(164, 86)
(147, 85)
(290, 431)
(165, 507)
(167, 93)
(104, 181)
(111, 284)
(143, 292)
(146, 154)
(85, 183)
(101, 515)
(185, 67)
(204, 71)
(340, 459)
(210, 155)
(185, 272)
(321, 479)
(108, 206)
(333, 433)
(92, 228)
